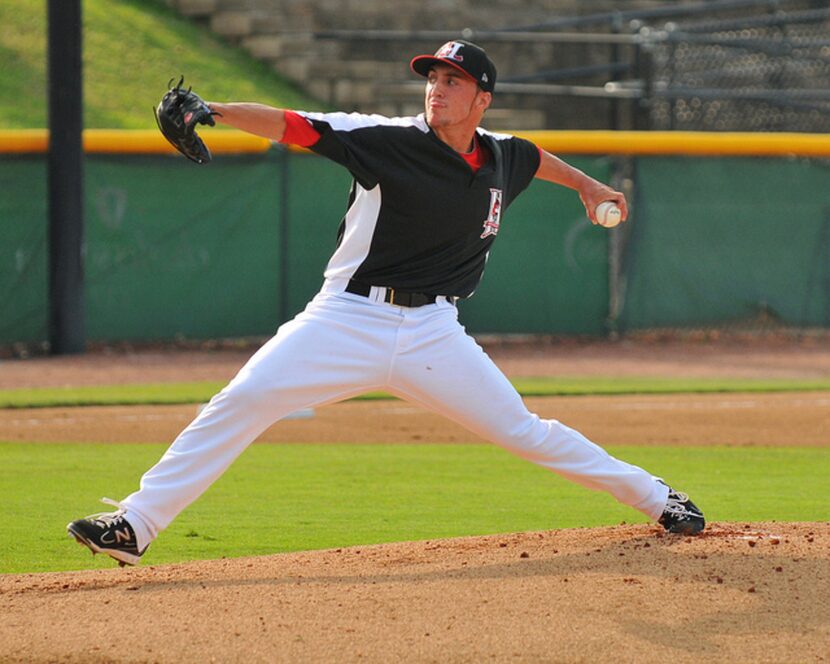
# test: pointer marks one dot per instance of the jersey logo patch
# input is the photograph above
(491, 224)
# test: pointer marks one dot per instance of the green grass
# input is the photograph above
(173, 393)
(299, 497)
(110, 395)
(131, 48)
(595, 385)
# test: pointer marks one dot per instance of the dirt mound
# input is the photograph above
(740, 592)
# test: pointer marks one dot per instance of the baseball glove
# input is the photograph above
(178, 114)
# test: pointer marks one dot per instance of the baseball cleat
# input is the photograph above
(681, 515)
(109, 533)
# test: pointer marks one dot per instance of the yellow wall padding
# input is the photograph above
(150, 141)
(131, 141)
(687, 143)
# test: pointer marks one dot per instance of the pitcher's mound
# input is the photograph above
(739, 592)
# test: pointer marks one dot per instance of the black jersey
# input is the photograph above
(419, 219)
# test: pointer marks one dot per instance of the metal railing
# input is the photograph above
(783, 58)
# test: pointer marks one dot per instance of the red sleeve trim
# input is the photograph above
(299, 131)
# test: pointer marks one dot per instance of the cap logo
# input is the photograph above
(484, 78)
(450, 51)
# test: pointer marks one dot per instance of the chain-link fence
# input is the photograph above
(759, 73)
(724, 65)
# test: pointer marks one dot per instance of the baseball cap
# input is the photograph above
(464, 56)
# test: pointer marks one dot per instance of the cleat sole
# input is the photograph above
(120, 557)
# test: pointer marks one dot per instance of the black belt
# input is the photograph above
(396, 297)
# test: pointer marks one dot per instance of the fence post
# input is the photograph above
(66, 181)
(622, 179)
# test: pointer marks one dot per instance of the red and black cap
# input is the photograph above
(464, 56)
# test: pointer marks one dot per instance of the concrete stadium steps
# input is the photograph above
(402, 15)
(373, 75)
(370, 73)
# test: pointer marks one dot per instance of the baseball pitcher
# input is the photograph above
(428, 197)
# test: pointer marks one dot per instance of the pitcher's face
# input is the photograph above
(451, 97)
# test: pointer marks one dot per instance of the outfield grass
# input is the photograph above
(199, 392)
(298, 497)
(130, 50)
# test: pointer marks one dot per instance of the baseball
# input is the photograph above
(608, 214)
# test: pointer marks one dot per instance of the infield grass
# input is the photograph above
(199, 392)
(279, 498)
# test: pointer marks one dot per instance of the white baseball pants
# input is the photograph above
(343, 345)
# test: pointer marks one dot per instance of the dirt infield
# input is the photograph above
(808, 358)
(801, 419)
(739, 593)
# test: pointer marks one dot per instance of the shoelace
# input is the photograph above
(677, 504)
(678, 496)
(109, 519)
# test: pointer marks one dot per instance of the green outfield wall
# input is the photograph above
(729, 241)
(175, 250)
